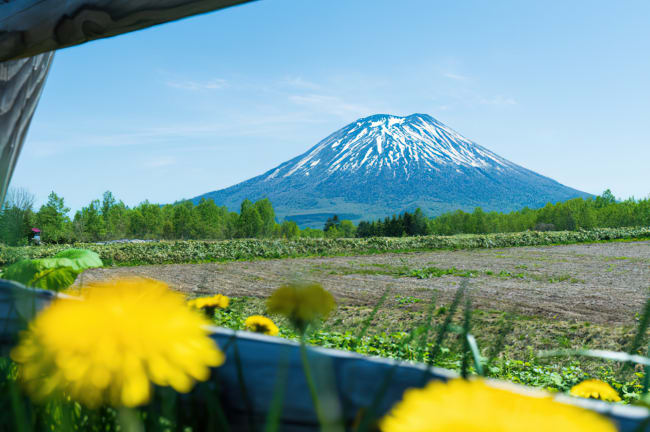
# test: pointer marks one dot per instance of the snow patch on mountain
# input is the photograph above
(391, 143)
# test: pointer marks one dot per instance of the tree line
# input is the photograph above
(109, 219)
(602, 211)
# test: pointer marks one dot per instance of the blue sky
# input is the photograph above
(562, 88)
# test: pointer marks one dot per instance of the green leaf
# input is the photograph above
(38, 273)
(55, 279)
(82, 258)
(24, 270)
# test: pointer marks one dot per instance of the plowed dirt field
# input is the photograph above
(603, 283)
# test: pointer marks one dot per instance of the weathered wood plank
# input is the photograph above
(30, 27)
(21, 83)
(17, 306)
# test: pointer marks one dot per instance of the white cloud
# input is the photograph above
(213, 84)
(160, 162)
(455, 76)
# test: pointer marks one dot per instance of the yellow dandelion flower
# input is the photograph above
(109, 347)
(216, 301)
(261, 324)
(473, 406)
(595, 389)
(301, 303)
(209, 304)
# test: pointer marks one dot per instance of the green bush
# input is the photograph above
(188, 251)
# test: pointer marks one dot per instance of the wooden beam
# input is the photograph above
(31, 27)
(21, 83)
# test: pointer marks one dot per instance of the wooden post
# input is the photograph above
(21, 83)
(31, 27)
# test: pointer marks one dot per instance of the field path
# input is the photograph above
(601, 283)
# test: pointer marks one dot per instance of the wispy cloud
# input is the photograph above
(160, 162)
(213, 84)
(455, 76)
(194, 135)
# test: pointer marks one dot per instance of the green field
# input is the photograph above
(510, 345)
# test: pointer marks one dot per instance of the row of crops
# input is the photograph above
(169, 252)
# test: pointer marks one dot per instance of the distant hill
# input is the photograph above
(384, 164)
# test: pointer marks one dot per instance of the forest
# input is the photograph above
(108, 219)
(603, 211)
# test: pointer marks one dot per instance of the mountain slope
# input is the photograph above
(384, 164)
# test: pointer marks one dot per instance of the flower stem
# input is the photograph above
(129, 420)
(310, 380)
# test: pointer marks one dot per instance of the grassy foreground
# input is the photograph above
(509, 344)
(193, 251)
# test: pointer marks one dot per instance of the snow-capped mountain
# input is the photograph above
(384, 164)
(396, 145)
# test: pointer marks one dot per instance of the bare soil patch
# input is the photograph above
(604, 283)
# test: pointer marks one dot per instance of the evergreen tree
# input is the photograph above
(332, 222)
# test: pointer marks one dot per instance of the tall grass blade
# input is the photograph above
(275, 410)
(129, 420)
(467, 327)
(168, 403)
(476, 353)
(422, 345)
(640, 333)
(444, 328)
(151, 421)
(602, 354)
(371, 317)
(243, 389)
(505, 328)
(646, 376)
(215, 404)
(371, 413)
(18, 408)
(67, 420)
(310, 381)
